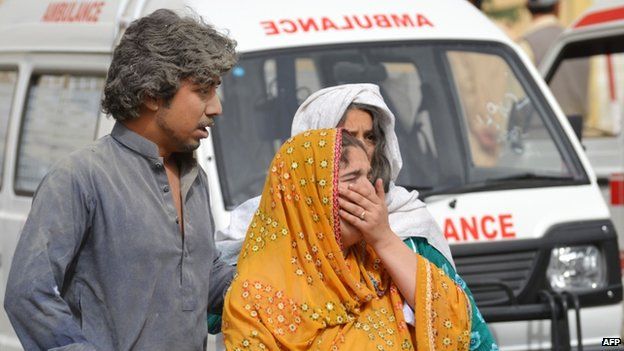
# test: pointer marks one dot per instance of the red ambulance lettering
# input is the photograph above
(506, 226)
(73, 12)
(479, 228)
(288, 26)
(368, 24)
(348, 25)
(486, 222)
(270, 28)
(349, 22)
(382, 21)
(423, 21)
(469, 228)
(328, 24)
(402, 20)
(307, 24)
(449, 230)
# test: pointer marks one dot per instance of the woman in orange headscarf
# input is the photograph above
(320, 268)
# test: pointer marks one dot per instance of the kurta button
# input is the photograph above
(166, 188)
(177, 220)
(158, 165)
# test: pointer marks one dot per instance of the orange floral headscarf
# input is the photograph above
(296, 290)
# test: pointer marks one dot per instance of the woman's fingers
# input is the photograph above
(351, 207)
(366, 190)
(379, 190)
(366, 217)
(351, 219)
(360, 195)
(354, 196)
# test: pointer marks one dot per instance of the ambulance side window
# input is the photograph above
(8, 80)
(502, 126)
(590, 88)
(60, 116)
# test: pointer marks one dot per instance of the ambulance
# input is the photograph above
(596, 41)
(482, 138)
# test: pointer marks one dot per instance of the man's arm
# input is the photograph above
(220, 279)
(230, 239)
(50, 240)
(222, 272)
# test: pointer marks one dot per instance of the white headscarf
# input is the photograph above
(408, 216)
(326, 107)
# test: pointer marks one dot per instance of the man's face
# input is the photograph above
(185, 121)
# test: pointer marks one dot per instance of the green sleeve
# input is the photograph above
(481, 338)
(214, 323)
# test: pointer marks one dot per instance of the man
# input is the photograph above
(543, 30)
(570, 84)
(117, 252)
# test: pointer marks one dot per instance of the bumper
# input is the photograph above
(596, 323)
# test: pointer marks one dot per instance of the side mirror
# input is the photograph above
(576, 121)
(519, 119)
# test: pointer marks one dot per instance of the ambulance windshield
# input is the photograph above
(464, 113)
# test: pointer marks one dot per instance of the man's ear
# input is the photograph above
(151, 103)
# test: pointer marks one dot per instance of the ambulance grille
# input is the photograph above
(484, 274)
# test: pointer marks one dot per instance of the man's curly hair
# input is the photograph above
(159, 51)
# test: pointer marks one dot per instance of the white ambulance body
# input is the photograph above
(596, 39)
(482, 138)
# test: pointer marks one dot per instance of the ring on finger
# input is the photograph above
(363, 215)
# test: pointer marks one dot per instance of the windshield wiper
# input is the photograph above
(496, 183)
(530, 176)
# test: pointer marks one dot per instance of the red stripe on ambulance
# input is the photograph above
(598, 17)
(488, 227)
(349, 22)
(72, 11)
(616, 185)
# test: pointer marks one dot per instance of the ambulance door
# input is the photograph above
(10, 98)
(587, 79)
(55, 110)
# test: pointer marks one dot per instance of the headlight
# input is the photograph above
(576, 268)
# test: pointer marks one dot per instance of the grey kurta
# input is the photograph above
(101, 263)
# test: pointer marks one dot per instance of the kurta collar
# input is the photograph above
(134, 141)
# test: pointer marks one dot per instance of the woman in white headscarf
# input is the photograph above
(362, 112)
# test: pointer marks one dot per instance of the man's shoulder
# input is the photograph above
(76, 169)
(544, 24)
(86, 157)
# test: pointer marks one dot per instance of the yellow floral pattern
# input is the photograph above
(296, 290)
